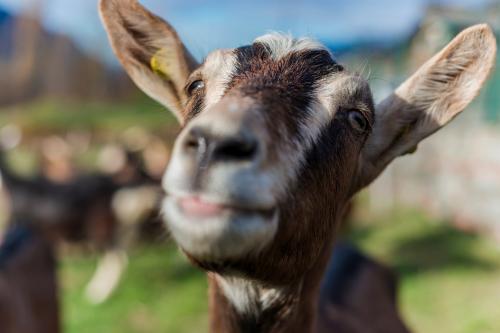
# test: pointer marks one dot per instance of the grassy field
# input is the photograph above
(450, 282)
(160, 292)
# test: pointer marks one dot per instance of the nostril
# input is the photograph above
(209, 147)
(235, 149)
(192, 142)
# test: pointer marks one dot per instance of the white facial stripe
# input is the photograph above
(280, 44)
(217, 71)
(327, 89)
(293, 155)
(320, 116)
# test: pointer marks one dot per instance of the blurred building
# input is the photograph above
(456, 174)
(37, 63)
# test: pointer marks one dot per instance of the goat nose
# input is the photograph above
(209, 147)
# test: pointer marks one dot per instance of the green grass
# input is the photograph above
(160, 292)
(450, 282)
(49, 116)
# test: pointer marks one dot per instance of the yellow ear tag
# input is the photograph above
(159, 63)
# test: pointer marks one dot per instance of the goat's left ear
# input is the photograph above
(428, 100)
(150, 50)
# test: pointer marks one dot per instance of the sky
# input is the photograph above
(205, 25)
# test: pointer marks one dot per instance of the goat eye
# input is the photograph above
(194, 86)
(357, 120)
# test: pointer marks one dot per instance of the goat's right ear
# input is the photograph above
(150, 50)
(428, 100)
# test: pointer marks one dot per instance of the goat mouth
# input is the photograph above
(197, 207)
(217, 231)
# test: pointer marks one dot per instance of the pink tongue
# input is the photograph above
(194, 206)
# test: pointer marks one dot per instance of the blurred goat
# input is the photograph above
(100, 209)
(360, 291)
(28, 284)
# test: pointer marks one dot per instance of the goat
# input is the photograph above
(74, 210)
(28, 285)
(93, 208)
(276, 138)
(360, 290)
